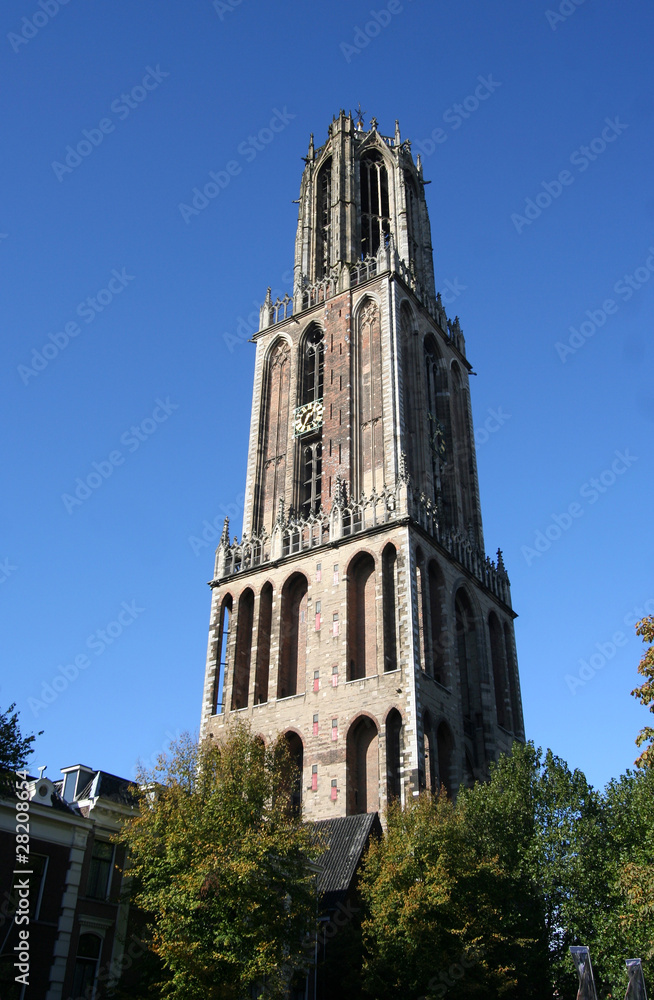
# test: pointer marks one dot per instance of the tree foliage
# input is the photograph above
(15, 749)
(487, 895)
(443, 917)
(645, 692)
(224, 867)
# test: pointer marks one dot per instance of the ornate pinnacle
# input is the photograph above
(397, 133)
(500, 562)
(373, 124)
(224, 538)
(280, 511)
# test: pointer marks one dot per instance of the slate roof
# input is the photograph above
(109, 786)
(346, 839)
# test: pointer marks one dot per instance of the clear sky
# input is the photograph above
(125, 318)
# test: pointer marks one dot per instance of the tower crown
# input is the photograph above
(361, 191)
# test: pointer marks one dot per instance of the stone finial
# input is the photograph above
(500, 562)
(224, 538)
(419, 165)
(280, 511)
(373, 124)
(339, 492)
(398, 139)
(311, 155)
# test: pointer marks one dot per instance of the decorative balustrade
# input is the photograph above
(293, 534)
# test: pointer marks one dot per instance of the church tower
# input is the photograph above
(359, 614)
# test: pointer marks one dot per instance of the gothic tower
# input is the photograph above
(359, 614)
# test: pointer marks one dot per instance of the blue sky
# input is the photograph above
(145, 381)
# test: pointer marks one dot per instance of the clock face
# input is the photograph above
(308, 417)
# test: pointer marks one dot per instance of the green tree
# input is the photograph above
(441, 917)
(223, 865)
(15, 749)
(544, 823)
(645, 692)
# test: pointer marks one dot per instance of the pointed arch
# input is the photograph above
(264, 632)
(367, 380)
(375, 203)
(309, 443)
(445, 749)
(389, 606)
(296, 750)
(499, 665)
(244, 625)
(463, 451)
(514, 684)
(411, 399)
(361, 617)
(293, 637)
(222, 650)
(275, 405)
(393, 755)
(438, 430)
(323, 219)
(428, 776)
(438, 664)
(468, 661)
(423, 609)
(362, 765)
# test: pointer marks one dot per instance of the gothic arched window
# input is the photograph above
(243, 649)
(361, 617)
(362, 763)
(324, 219)
(393, 755)
(293, 637)
(221, 657)
(263, 645)
(275, 408)
(498, 661)
(375, 209)
(389, 606)
(308, 423)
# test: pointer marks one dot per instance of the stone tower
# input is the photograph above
(358, 614)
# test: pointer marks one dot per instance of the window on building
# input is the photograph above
(86, 964)
(100, 870)
(375, 211)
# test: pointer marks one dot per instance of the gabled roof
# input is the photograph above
(346, 839)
